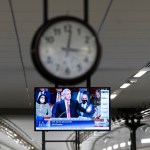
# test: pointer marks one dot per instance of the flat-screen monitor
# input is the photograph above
(72, 108)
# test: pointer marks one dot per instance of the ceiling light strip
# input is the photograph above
(10, 132)
(144, 141)
(139, 74)
(125, 85)
(131, 80)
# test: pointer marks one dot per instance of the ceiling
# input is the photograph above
(123, 28)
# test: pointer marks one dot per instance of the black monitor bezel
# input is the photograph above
(73, 129)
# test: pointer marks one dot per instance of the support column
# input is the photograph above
(133, 123)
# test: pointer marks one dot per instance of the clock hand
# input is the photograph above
(74, 49)
(69, 39)
(68, 43)
(70, 49)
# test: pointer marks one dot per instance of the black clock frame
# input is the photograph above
(39, 66)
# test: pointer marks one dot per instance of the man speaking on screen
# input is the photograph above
(68, 108)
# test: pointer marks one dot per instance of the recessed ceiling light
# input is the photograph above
(122, 144)
(109, 148)
(112, 96)
(115, 146)
(140, 73)
(125, 85)
(129, 142)
(145, 110)
(145, 140)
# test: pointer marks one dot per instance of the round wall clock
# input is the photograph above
(65, 50)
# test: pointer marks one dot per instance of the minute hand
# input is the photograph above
(69, 39)
(72, 49)
(68, 43)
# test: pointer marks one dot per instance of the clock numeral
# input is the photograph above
(87, 39)
(67, 71)
(68, 28)
(79, 67)
(79, 31)
(57, 31)
(86, 59)
(49, 39)
(49, 60)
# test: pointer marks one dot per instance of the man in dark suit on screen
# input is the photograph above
(68, 108)
(78, 94)
(85, 104)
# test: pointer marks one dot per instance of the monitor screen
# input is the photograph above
(72, 108)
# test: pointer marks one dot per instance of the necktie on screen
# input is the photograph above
(68, 110)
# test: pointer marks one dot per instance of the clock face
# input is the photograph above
(66, 50)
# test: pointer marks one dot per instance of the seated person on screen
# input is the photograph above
(85, 105)
(68, 108)
(78, 94)
(44, 91)
(42, 107)
(97, 113)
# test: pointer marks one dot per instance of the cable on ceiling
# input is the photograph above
(104, 17)
(20, 53)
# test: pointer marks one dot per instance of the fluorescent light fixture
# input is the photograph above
(122, 120)
(122, 144)
(140, 73)
(112, 96)
(125, 85)
(145, 140)
(145, 115)
(145, 110)
(104, 148)
(115, 146)
(129, 142)
(109, 148)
